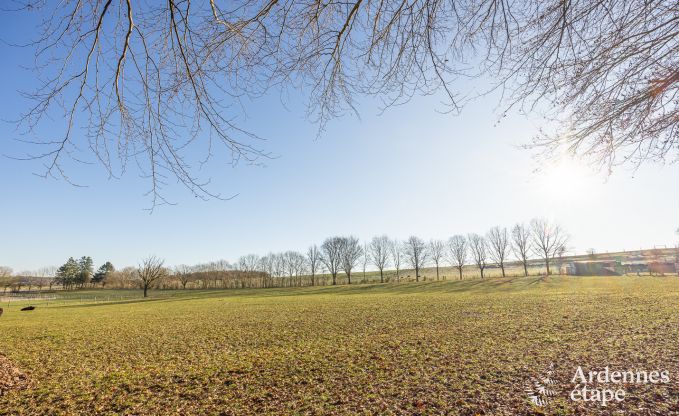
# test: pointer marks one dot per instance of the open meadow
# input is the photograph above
(456, 347)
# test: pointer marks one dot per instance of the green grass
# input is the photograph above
(430, 348)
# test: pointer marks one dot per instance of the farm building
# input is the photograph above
(635, 267)
(661, 268)
(594, 268)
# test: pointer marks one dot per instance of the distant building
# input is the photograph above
(658, 267)
(635, 266)
(594, 268)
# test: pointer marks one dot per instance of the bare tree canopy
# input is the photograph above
(313, 256)
(498, 242)
(457, 252)
(144, 82)
(6, 271)
(521, 245)
(183, 274)
(395, 249)
(436, 251)
(150, 271)
(248, 263)
(379, 250)
(548, 239)
(350, 253)
(479, 250)
(331, 256)
(416, 253)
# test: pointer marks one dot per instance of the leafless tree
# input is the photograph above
(395, 250)
(6, 282)
(27, 278)
(560, 257)
(248, 263)
(498, 243)
(213, 273)
(313, 256)
(457, 252)
(436, 252)
(47, 275)
(150, 271)
(332, 256)
(521, 245)
(415, 251)
(39, 282)
(279, 265)
(6, 271)
(365, 259)
(479, 250)
(6, 279)
(124, 277)
(351, 252)
(301, 268)
(267, 266)
(294, 266)
(183, 274)
(548, 239)
(146, 82)
(213, 266)
(45, 272)
(379, 250)
(290, 264)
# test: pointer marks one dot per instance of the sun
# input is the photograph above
(564, 180)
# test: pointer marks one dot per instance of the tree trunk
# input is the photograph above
(381, 276)
(334, 279)
(502, 266)
(417, 273)
(547, 263)
(146, 288)
(459, 268)
(525, 268)
(349, 277)
(437, 271)
(481, 268)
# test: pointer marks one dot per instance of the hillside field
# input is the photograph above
(457, 347)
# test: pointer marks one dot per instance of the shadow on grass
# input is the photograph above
(476, 286)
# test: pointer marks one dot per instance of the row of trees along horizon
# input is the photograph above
(337, 256)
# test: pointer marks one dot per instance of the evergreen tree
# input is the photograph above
(103, 272)
(85, 270)
(67, 274)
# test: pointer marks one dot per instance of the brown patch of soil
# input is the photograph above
(11, 378)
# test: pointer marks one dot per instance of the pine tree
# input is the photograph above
(85, 270)
(67, 274)
(103, 272)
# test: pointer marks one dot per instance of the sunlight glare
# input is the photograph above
(565, 180)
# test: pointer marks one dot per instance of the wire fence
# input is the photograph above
(10, 301)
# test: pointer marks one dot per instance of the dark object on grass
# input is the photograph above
(1, 311)
(28, 308)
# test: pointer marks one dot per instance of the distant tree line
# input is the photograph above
(343, 255)
(338, 259)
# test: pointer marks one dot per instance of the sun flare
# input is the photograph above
(563, 180)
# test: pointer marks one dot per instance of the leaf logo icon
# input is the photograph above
(540, 390)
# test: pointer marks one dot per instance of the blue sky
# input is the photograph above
(411, 170)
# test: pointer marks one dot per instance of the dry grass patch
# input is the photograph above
(11, 378)
(453, 348)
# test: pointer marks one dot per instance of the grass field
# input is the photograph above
(465, 348)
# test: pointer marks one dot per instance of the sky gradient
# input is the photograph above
(411, 170)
